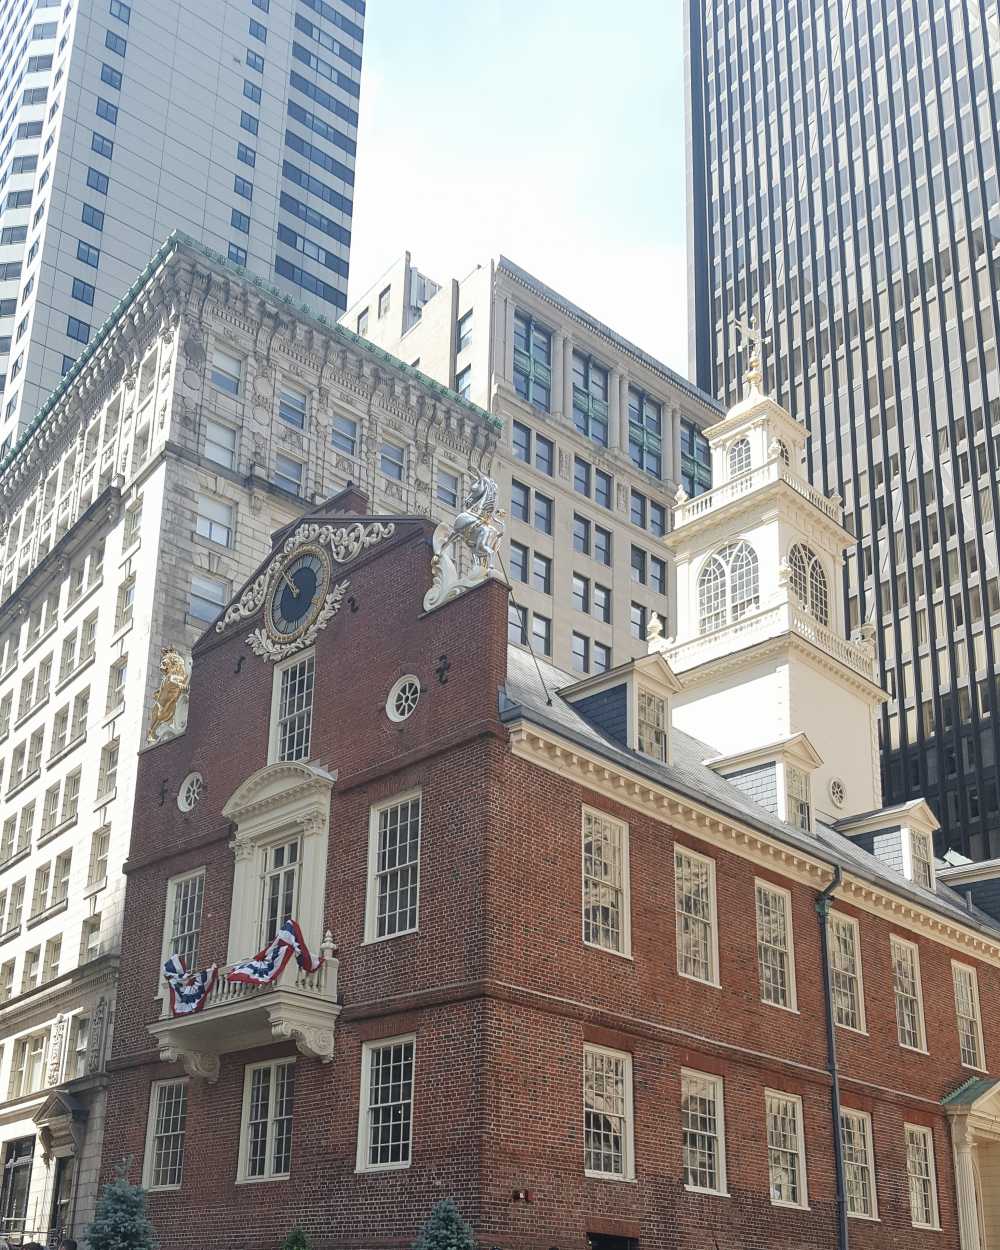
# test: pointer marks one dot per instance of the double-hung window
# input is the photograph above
(697, 939)
(344, 434)
(652, 725)
(920, 1176)
(703, 1132)
(385, 1121)
(845, 973)
(775, 960)
(859, 1164)
(393, 868)
(906, 987)
(226, 372)
(608, 1149)
(268, 1106)
(786, 1153)
(970, 1027)
(164, 1167)
(214, 520)
(292, 407)
(281, 870)
(532, 361)
(185, 899)
(292, 715)
(605, 882)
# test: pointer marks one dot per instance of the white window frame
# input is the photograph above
(718, 1084)
(628, 1137)
(803, 1203)
(785, 895)
(641, 689)
(624, 949)
(166, 942)
(243, 1176)
(928, 1138)
(912, 859)
(713, 918)
(956, 965)
(362, 1163)
(371, 908)
(147, 1164)
(894, 941)
(274, 737)
(865, 1121)
(839, 917)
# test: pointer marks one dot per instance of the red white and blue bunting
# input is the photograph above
(188, 990)
(267, 965)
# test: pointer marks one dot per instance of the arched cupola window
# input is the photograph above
(808, 582)
(739, 457)
(728, 587)
(783, 451)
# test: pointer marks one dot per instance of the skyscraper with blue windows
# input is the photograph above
(234, 121)
(842, 184)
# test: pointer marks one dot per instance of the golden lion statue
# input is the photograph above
(174, 686)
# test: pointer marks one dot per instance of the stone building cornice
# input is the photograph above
(181, 279)
(558, 755)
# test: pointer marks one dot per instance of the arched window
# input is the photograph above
(739, 457)
(808, 582)
(783, 451)
(728, 587)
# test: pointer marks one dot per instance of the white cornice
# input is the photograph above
(556, 754)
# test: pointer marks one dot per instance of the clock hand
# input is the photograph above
(290, 584)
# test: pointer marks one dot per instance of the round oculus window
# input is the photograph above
(192, 788)
(403, 698)
(838, 792)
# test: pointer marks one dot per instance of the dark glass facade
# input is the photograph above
(842, 184)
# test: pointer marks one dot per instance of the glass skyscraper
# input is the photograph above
(842, 184)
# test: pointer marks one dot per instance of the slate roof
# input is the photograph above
(688, 775)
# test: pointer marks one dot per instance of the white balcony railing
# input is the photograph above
(771, 623)
(747, 483)
(297, 1005)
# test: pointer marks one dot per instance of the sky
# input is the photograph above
(551, 131)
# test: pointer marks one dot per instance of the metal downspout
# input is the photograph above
(823, 902)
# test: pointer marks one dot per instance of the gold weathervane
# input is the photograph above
(754, 340)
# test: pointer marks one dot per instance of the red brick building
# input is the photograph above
(578, 983)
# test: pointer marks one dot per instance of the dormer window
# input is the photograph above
(798, 806)
(921, 859)
(739, 457)
(652, 726)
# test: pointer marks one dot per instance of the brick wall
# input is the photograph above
(497, 985)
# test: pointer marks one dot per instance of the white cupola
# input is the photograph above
(760, 648)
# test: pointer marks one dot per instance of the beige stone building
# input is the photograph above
(207, 412)
(597, 438)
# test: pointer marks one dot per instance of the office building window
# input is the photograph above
(463, 382)
(532, 361)
(111, 77)
(392, 461)
(344, 434)
(77, 329)
(258, 30)
(292, 406)
(645, 432)
(220, 443)
(384, 301)
(239, 221)
(541, 573)
(541, 633)
(602, 545)
(696, 460)
(580, 652)
(590, 398)
(83, 291)
(517, 625)
(214, 520)
(88, 254)
(463, 332)
(107, 111)
(638, 621)
(255, 61)
(208, 597)
(237, 254)
(114, 43)
(288, 473)
(600, 657)
(242, 187)
(362, 323)
(92, 217)
(246, 154)
(121, 11)
(101, 145)
(448, 487)
(249, 123)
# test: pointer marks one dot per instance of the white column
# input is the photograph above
(567, 403)
(965, 1186)
(614, 409)
(558, 348)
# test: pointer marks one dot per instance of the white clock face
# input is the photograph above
(298, 593)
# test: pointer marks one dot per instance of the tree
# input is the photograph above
(296, 1240)
(445, 1230)
(120, 1221)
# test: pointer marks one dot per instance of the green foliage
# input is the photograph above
(296, 1240)
(120, 1221)
(445, 1230)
